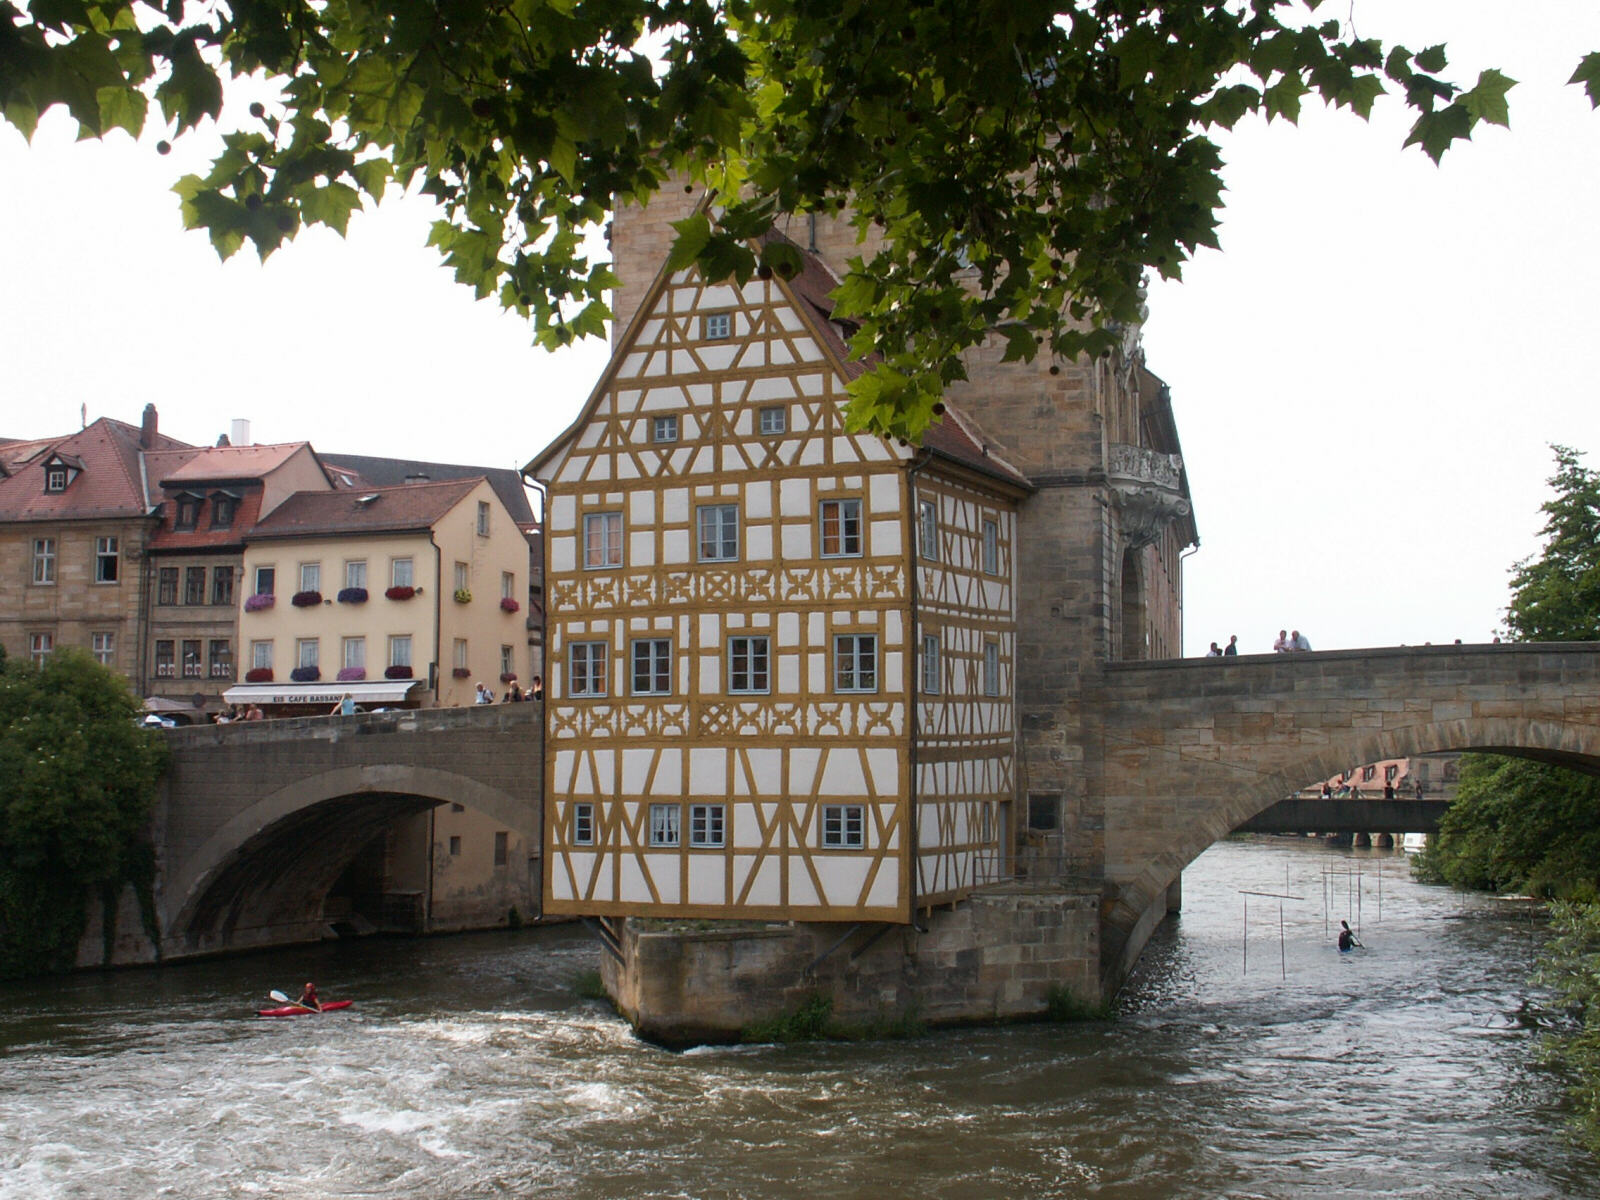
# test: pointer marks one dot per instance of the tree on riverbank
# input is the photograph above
(1555, 597)
(1570, 966)
(80, 777)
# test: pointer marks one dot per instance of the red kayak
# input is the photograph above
(300, 1010)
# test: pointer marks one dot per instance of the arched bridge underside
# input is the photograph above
(1185, 751)
(258, 820)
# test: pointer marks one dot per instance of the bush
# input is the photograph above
(1570, 965)
(463, 595)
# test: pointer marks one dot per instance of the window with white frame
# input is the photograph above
(991, 668)
(841, 528)
(44, 560)
(664, 429)
(106, 561)
(266, 580)
(354, 652)
(166, 659)
(928, 529)
(463, 576)
(40, 646)
(843, 826)
(747, 665)
(602, 540)
(706, 823)
(930, 664)
(716, 326)
(55, 478)
(307, 653)
(855, 662)
(508, 585)
(222, 585)
(991, 547)
(104, 647)
(458, 654)
(311, 577)
(355, 573)
(652, 667)
(483, 518)
(586, 669)
(261, 655)
(401, 572)
(774, 420)
(400, 650)
(193, 666)
(508, 661)
(717, 531)
(583, 824)
(220, 658)
(664, 824)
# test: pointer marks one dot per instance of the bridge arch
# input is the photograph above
(261, 877)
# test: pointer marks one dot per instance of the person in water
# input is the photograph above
(1347, 940)
(308, 998)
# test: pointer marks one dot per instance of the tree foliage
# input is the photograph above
(1570, 966)
(1019, 165)
(1518, 825)
(1555, 597)
(80, 779)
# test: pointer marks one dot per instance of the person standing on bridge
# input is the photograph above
(1232, 648)
(1281, 645)
(1215, 651)
(1299, 641)
(1388, 790)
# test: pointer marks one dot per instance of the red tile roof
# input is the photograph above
(203, 536)
(410, 508)
(110, 484)
(217, 464)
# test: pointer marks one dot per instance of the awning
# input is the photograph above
(382, 691)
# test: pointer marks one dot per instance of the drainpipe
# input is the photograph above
(914, 661)
(544, 665)
(438, 610)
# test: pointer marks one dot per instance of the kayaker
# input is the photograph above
(1347, 939)
(308, 998)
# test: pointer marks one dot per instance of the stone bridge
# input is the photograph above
(257, 821)
(1181, 752)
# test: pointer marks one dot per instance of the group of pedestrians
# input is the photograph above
(515, 694)
(1289, 642)
(1228, 651)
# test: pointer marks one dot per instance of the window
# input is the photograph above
(602, 540)
(583, 824)
(508, 662)
(355, 573)
(40, 645)
(587, 669)
(1368, 773)
(463, 577)
(855, 662)
(261, 656)
(44, 560)
(930, 665)
(663, 824)
(991, 547)
(928, 529)
(220, 659)
(105, 560)
(501, 848)
(747, 664)
(266, 580)
(664, 429)
(991, 668)
(306, 652)
(483, 518)
(716, 326)
(400, 650)
(223, 507)
(166, 659)
(55, 478)
(774, 420)
(717, 526)
(353, 652)
(194, 585)
(843, 826)
(103, 647)
(705, 824)
(458, 654)
(311, 577)
(841, 528)
(167, 585)
(1390, 773)
(455, 844)
(188, 514)
(193, 667)
(400, 573)
(222, 585)
(508, 585)
(652, 667)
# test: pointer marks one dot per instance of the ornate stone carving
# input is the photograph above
(1146, 487)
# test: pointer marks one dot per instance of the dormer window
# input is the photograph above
(223, 507)
(188, 512)
(55, 478)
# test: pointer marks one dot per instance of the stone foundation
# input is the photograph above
(996, 956)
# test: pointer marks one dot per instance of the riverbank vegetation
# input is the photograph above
(80, 781)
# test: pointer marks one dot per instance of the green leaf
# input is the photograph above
(1432, 60)
(1435, 131)
(1588, 74)
(1487, 101)
(693, 234)
(123, 108)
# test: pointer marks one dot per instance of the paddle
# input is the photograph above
(280, 997)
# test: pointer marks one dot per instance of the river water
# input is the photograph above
(469, 1067)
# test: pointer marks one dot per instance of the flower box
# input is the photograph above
(348, 674)
(507, 604)
(401, 593)
(397, 673)
(259, 601)
(306, 674)
(305, 599)
(461, 672)
(508, 677)
(352, 596)
(463, 595)
(258, 675)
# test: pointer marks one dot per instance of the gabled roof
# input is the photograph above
(110, 483)
(221, 464)
(412, 508)
(392, 472)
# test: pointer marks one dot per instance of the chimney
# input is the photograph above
(147, 428)
(241, 433)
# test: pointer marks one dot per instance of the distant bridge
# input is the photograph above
(1341, 814)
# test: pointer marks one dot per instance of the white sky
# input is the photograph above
(1366, 377)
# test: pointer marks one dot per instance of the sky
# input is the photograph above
(1366, 377)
